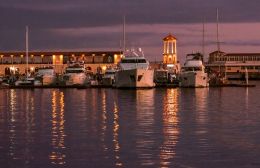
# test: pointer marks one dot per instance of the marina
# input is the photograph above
(116, 69)
(129, 84)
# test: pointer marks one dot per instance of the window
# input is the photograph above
(109, 59)
(133, 61)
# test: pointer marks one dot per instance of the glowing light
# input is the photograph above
(170, 65)
(104, 68)
(12, 68)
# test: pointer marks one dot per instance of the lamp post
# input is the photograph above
(42, 58)
(32, 61)
(21, 58)
(12, 59)
(1, 58)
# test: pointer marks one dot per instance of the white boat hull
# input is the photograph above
(25, 82)
(48, 80)
(76, 79)
(193, 79)
(134, 78)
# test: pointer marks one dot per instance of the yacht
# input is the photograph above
(134, 71)
(109, 77)
(45, 76)
(193, 72)
(25, 81)
(75, 75)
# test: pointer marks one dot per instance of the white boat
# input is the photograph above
(26, 81)
(45, 76)
(193, 72)
(134, 72)
(109, 77)
(75, 75)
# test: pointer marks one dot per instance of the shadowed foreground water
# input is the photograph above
(186, 128)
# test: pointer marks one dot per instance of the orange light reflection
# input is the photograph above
(58, 156)
(171, 129)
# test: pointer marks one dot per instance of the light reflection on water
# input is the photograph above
(212, 127)
(20, 126)
(171, 129)
(115, 136)
(145, 121)
(58, 135)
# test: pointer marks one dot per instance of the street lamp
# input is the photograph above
(42, 58)
(21, 58)
(32, 58)
(1, 56)
(12, 59)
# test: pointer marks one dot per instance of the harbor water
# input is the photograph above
(107, 128)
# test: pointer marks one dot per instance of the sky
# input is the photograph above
(96, 25)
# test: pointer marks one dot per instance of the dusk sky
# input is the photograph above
(94, 25)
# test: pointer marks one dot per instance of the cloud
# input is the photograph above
(92, 13)
(97, 25)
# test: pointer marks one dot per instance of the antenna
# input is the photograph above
(124, 34)
(27, 46)
(203, 37)
(218, 43)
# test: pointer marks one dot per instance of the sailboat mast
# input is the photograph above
(203, 37)
(27, 46)
(218, 44)
(124, 35)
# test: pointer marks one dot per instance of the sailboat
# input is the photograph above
(26, 81)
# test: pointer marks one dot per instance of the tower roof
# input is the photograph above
(169, 37)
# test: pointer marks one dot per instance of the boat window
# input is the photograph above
(133, 61)
(110, 73)
(139, 77)
(141, 61)
(74, 71)
(192, 68)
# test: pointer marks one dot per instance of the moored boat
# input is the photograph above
(45, 76)
(193, 72)
(134, 72)
(75, 75)
(109, 77)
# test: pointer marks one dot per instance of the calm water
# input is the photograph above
(186, 128)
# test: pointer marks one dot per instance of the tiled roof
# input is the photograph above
(169, 37)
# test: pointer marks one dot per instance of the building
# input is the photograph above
(59, 60)
(170, 53)
(235, 65)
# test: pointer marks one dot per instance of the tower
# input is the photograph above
(169, 50)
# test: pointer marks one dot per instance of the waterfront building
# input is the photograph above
(235, 65)
(170, 53)
(16, 61)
